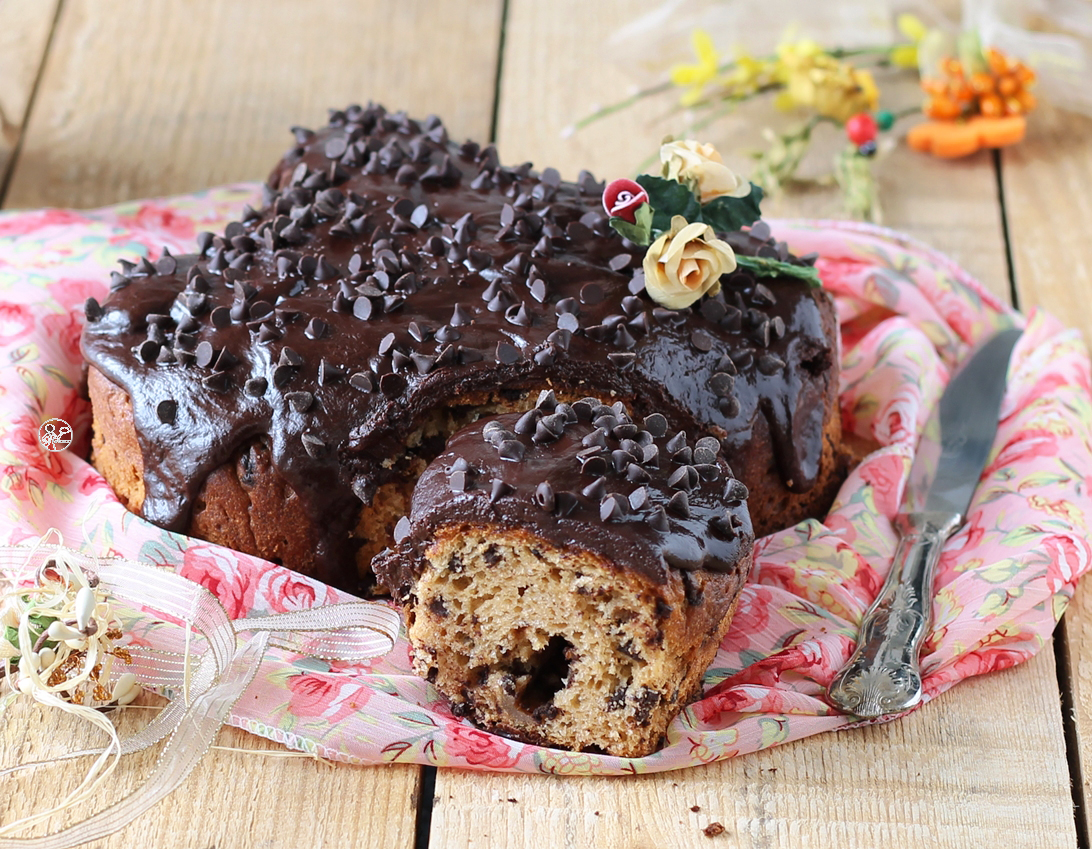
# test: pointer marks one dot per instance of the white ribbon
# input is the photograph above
(201, 656)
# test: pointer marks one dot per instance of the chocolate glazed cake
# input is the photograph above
(567, 574)
(280, 391)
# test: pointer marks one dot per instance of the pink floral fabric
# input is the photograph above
(908, 316)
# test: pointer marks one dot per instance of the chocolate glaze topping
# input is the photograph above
(584, 475)
(393, 271)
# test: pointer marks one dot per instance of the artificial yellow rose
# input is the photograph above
(685, 263)
(700, 167)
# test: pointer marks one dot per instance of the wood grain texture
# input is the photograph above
(139, 99)
(24, 35)
(1050, 216)
(231, 801)
(946, 776)
(984, 765)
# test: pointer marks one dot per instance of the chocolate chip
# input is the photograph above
(457, 481)
(256, 387)
(221, 317)
(538, 290)
(568, 322)
(769, 364)
(620, 262)
(591, 294)
(363, 308)
(205, 354)
(679, 505)
(460, 316)
(217, 381)
(517, 314)
(402, 529)
(735, 492)
(722, 384)
(300, 401)
(317, 328)
(677, 442)
(656, 424)
(611, 509)
(546, 401)
(636, 474)
(418, 332)
(499, 490)
(387, 343)
(507, 353)
(638, 498)
(392, 385)
(167, 411)
(701, 340)
(680, 478)
(650, 456)
(225, 361)
(544, 497)
(658, 520)
(703, 455)
(594, 466)
(622, 359)
(149, 350)
(761, 296)
(362, 381)
(283, 374)
(93, 310)
(511, 450)
(596, 489)
(527, 422)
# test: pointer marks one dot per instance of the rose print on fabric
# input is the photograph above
(909, 315)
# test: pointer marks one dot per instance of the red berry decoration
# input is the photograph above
(861, 128)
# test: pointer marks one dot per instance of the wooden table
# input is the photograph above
(109, 100)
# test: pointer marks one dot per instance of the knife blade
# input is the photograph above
(883, 676)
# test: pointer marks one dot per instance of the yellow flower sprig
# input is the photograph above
(832, 85)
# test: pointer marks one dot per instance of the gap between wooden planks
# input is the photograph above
(140, 99)
(24, 34)
(984, 765)
(1046, 180)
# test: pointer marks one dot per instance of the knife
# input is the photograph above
(883, 677)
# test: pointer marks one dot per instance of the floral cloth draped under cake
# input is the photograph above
(908, 316)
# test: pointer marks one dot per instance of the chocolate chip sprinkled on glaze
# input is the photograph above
(555, 266)
(167, 411)
(659, 527)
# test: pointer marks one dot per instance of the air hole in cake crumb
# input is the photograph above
(817, 363)
(521, 591)
(546, 671)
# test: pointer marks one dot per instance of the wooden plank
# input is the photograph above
(1049, 217)
(232, 799)
(984, 765)
(141, 99)
(24, 34)
(938, 778)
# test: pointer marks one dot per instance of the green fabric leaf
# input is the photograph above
(764, 267)
(669, 198)
(639, 233)
(728, 214)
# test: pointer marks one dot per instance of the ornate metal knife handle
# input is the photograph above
(882, 676)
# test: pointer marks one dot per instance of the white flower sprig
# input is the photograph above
(59, 646)
(61, 638)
